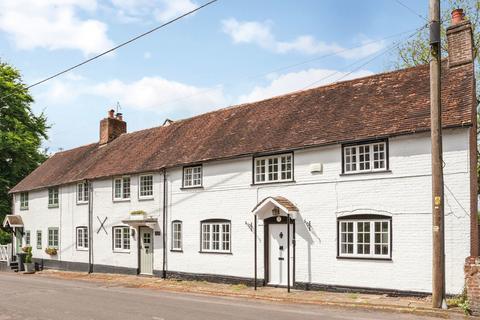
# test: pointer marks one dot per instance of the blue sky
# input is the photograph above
(231, 52)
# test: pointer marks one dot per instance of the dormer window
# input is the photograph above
(277, 168)
(192, 176)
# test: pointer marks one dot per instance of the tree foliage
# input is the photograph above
(21, 135)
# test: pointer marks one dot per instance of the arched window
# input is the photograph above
(364, 236)
(215, 236)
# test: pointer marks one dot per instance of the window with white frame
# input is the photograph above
(121, 239)
(276, 168)
(53, 238)
(365, 157)
(121, 188)
(39, 239)
(53, 197)
(82, 192)
(364, 238)
(216, 236)
(27, 238)
(82, 238)
(192, 177)
(146, 186)
(24, 201)
(176, 235)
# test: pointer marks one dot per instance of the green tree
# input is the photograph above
(21, 135)
(416, 51)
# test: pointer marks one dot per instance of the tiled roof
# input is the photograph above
(12, 220)
(386, 104)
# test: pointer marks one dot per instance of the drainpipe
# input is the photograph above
(90, 226)
(164, 267)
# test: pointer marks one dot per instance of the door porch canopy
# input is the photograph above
(13, 221)
(275, 206)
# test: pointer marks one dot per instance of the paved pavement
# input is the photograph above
(31, 297)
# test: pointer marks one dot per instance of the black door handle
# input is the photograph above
(281, 258)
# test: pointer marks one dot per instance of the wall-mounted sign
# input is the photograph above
(158, 233)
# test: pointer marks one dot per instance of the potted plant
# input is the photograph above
(51, 251)
(137, 215)
(28, 264)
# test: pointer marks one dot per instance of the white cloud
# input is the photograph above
(161, 10)
(293, 81)
(161, 95)
(260, 33)
(53, 25)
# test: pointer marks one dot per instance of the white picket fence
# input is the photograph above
(6, 253)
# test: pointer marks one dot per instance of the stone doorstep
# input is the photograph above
(275, 295)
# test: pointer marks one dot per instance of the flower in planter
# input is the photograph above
(138, 212)
(51, 251)
(26, 249)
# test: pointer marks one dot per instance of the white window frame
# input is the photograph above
(82, 238)
(193, 176)
(350, 151)
(124, 239)
(53, 238)
(53, 197)
(82, 192)
(23, 200)
(208, 238)
(39, 239)
(177, 243)
(143, 192)
(28, 238)
(372, 239)
(123, 195)
(263, 173)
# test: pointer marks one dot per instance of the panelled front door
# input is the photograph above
(19, 238)
(277, 268)
(146, 250)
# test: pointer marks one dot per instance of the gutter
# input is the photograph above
(90, 226)
(164, 267)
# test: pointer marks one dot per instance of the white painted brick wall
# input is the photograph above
(404, 193)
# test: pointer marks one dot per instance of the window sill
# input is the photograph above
(146, 198)
(366, 172)
(121, 200)
(272, 182)
(23, 209)
(82, 249)
(365, 258)
(53, 206)
(190, 188)
(121, 251)
(81, 203)
(176, 250)
(215, 252)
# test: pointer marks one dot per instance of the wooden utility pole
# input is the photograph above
(438, 254)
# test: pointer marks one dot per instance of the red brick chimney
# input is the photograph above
(460, 40)
(112, 127)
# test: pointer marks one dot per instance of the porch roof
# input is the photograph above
(13, 220)
(265, 207)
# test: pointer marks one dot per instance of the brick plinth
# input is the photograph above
(472, 283)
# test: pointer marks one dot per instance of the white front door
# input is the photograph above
(146, 250)
(277, 270)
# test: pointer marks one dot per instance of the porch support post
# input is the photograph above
(255, 250)
(288, 252)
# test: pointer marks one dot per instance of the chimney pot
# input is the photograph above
(457, 16)
(119, 116)
(112, 127)
(111, 113)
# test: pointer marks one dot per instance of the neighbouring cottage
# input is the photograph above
(345, 166)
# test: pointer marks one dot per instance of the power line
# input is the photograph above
(289, 66)
(118, 46)
(364, 64)
(411, 10)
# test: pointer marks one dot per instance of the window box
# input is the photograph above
(138, 215)
(192, 177)
(365, 157)
(273, 169)
(364, 237)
